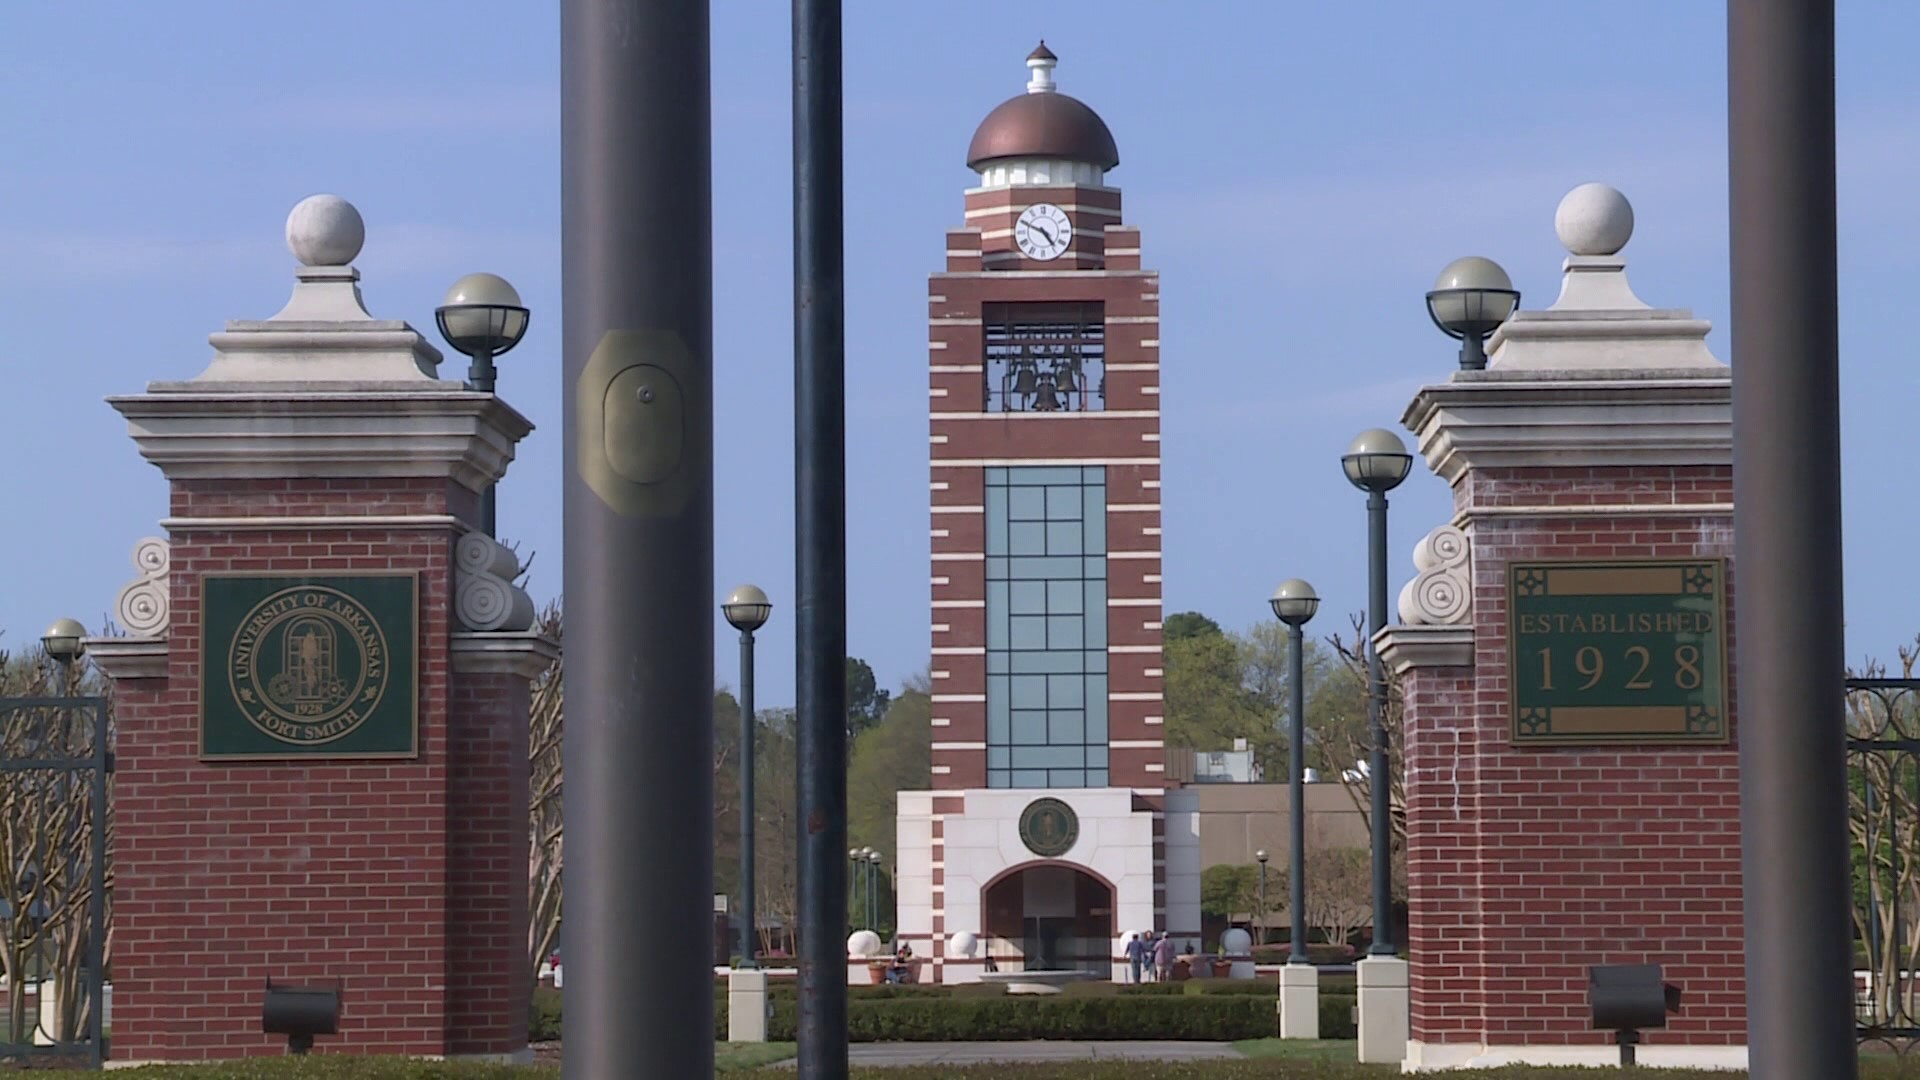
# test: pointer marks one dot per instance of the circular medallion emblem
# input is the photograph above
(1049, 828)
(308, 665)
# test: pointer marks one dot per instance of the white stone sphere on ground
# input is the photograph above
(962, 943)
(1237, 942)
(864, 943)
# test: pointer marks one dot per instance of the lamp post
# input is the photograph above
(1294, 603)
(65, 643)
(856, 862)
(1469, 301)
(747, 608)
(1261, 926)
(482, 317)
(1375, 463)
(873, 888)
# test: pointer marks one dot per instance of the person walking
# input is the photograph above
(1136, 956)
(1163, 958)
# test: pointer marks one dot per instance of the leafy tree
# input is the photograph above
(1227, 890)
(892, 756)
(866, 701)
(1339, 890)
(1207, 703)
(1188, 624)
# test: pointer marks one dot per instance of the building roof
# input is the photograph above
(1043, 123)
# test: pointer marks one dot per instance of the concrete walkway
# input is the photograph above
(980, 1053)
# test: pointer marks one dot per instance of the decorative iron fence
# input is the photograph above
(1883, 797)
(55, 756)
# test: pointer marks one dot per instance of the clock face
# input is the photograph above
(1043, 232)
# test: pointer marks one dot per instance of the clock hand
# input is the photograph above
(1044, 231)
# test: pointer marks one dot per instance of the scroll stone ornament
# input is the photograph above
(143, 608)
(1441, 594)
(485, 599)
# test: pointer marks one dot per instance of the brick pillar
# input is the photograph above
(1568, 806)
(322, 693)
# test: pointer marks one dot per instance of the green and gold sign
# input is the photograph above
(1049, 828)
(1617, 652)
(309, 667)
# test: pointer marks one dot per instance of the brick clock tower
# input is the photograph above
(1050, 835)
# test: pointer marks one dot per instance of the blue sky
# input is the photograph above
(1299, 173)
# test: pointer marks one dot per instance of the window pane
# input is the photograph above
(1063, 504)
(1067, 728)
(998, 778)
(996, 628)
(1050, 662)
(1067, 778)
(1096, 629)
(996, 695)
(1028, 632)
(1027, 538)
(997, 757)
(997, 662)
(1044, 474)
(1063, 631)
(1029, 728)
(1096, 778)
(1094, 514)
(1066, 691)
(1096, 757)
(1028, 691)
(1096, 708)
(1026, 504)
(1097, 661)
(1093, 474)
(996, 474)
(1047, 757)
(996, 523)
(1063, 538)
(1028, 598)
(1044, 568)
(999, 728)
(1064, 597)
(996, 569)
(1094, 568)
(1027, 778)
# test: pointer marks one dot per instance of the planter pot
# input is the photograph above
(1222, 968)
(878, 970)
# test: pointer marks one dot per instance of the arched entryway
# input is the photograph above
(1049, 916)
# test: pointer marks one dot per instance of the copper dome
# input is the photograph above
(1043, 123)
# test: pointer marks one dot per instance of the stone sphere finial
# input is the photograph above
(325, 230)
(1594, 219)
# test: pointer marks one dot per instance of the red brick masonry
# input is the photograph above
(1526, 866)
(403, 879)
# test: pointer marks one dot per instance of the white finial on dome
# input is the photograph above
(1041, 63)
(1594, 219)
(325, 230)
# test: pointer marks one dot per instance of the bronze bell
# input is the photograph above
(1069, 382)
(1023, 380)
(1049, 400)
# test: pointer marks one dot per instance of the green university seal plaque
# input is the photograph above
(310, 665)
(1049, 828)
(321, 666)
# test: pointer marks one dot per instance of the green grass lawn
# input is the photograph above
(1327, 1051)
(733, 1057)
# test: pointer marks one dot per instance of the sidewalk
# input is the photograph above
(979, 1053)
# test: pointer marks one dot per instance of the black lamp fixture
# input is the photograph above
(300, 1013)
(1627, 999)
(482, 317)
(1472, 297)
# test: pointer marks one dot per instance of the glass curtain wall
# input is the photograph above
(1046, 626)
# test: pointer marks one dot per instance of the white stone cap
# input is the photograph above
(1598, 324)
(324, 334)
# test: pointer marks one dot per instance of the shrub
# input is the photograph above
(544, 1024)
(1336, 1016)
(1317, 952)
(1002, 1017)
